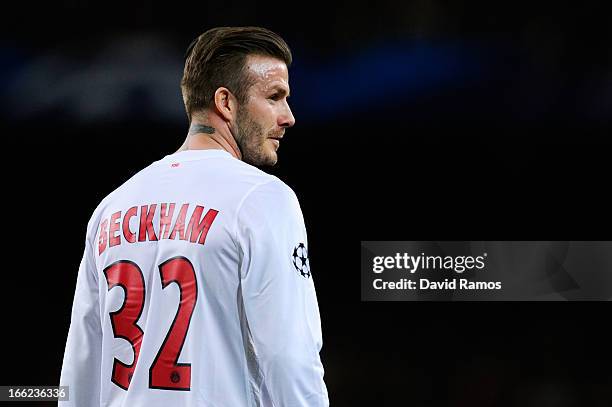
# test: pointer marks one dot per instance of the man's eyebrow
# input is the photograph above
(281, 90)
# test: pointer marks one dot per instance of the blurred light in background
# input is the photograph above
(127, 77)
(139, 75)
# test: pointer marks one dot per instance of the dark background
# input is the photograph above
(425, 120)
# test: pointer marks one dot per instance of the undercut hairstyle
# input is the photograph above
(217, 59)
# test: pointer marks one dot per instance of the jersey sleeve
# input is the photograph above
(279, 297)
(82, 356)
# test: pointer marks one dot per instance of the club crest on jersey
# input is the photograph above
(300, 260)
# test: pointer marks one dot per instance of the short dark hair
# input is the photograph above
(217, 58)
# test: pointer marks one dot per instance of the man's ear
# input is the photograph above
(226, 104)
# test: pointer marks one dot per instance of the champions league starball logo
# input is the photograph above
(300, 260)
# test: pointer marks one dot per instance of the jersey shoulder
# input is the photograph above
(271, 201)
(259, 183)
(248, 183)
(94, 220)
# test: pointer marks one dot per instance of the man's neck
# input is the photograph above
(196, 128)
(211, 134)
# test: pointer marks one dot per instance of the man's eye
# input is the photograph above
(275, 97)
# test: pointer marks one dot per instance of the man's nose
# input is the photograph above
(286, 119)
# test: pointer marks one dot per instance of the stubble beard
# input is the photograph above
(250, 138)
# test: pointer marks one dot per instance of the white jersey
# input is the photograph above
(195, 290)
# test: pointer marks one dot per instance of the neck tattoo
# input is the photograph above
(201, 128)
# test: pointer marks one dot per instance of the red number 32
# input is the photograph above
(165, 371)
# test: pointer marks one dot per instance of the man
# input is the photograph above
(195, 287)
